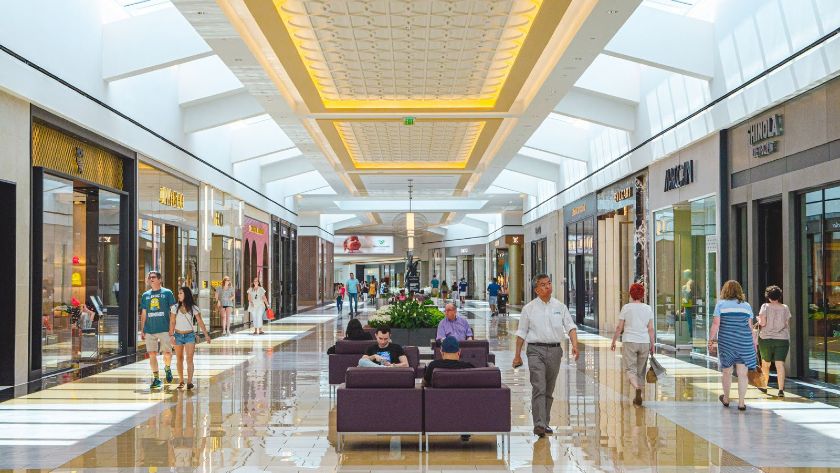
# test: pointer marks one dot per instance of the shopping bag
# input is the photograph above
(755, 377)
(269, 314)
(657, 368)
(650, 377)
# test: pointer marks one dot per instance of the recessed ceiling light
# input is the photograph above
(612, 12)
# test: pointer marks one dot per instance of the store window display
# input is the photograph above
(685, 273)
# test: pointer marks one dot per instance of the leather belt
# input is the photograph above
(552, 345)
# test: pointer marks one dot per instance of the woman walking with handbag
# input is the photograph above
(182, 321)
(257, 303)
(732, 329)
(774, 337)
(224, 299)
(635, 324)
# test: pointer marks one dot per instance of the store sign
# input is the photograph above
(363, 244)
(465, 251)
(538, 230)
(513, 240)
(680, 175)
(623, 194)
(256, 230)
(578, 210)
(761, 131)
(171, 198)
(218, 218)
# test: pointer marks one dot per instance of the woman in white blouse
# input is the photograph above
(257, 304)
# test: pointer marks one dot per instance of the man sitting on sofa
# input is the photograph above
(384, 353)
(453, 325)
(450, 350)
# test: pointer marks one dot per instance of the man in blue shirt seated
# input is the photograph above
(493, 296)
(453, 325)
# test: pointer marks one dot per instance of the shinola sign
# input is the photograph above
(761, 131)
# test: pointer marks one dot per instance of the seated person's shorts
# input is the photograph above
(158, 342)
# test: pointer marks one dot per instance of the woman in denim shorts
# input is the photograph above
(185, 316)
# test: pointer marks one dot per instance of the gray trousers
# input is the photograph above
(543, 366)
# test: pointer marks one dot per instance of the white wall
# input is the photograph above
(16, 167)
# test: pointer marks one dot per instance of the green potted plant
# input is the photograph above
(412, 322)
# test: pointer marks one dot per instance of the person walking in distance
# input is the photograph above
(257, 304)
(224, 299)
(352, 286)
(543, 324)
(732, 329)
(493, 296)
(156, 305)
(774, 336)
(339, 297)
(635, 325)
(462, 291)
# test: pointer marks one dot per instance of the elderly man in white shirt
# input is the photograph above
(543, 324)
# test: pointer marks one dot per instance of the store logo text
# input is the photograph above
(764, 130)
(679, 175)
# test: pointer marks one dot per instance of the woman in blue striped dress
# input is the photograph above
(733, 330)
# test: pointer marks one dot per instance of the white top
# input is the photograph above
(776, 326)
(183, 321)
(542, 322)
(636, 317)
(257, 294)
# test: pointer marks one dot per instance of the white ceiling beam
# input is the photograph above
(221, 111)
(475, 223)
(534, 167)
(260, 139)
(598, 108)
(205, 79)
(690, 42)
(550, 156)
(285, 169)
(149, 42)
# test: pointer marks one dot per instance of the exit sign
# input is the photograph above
(408, 121)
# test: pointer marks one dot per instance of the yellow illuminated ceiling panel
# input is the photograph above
(377, 144)
(411, 54)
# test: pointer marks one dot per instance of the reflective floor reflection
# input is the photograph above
(262, 404)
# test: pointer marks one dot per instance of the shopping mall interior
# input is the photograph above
(350, 195)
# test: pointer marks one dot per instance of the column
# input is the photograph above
(516, 282)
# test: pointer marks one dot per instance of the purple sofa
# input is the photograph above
(459, 401)
(380, 401)
(347, 355)
(476, 352)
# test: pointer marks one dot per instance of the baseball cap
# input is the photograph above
(450, 345)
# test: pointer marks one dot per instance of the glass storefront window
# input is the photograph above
(581, 272)
(81, 253)
(685, 245)
(820, 256)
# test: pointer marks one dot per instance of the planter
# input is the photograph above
(417, 337)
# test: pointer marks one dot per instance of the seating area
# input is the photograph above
(347, 355)
(377, 401)
(476, 352)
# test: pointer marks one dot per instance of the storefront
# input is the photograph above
(468, 262)
(167, 226)
(283, 267)
(222, 220)
(581, 270)
(507, 266)
(785, 209)
(83, 237)
(622, 243)
(683, 195)
(545, 248)
(255, 253)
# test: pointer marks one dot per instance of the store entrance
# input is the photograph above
(467, 272)
(770, 261)
(80, 322)
(539, 264)
(8, 287)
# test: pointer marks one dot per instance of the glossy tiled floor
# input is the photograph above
(262, 404)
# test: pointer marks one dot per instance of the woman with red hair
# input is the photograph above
(636, 324)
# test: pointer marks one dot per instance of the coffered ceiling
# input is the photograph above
(435, 90)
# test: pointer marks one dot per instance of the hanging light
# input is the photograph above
(409, 217)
